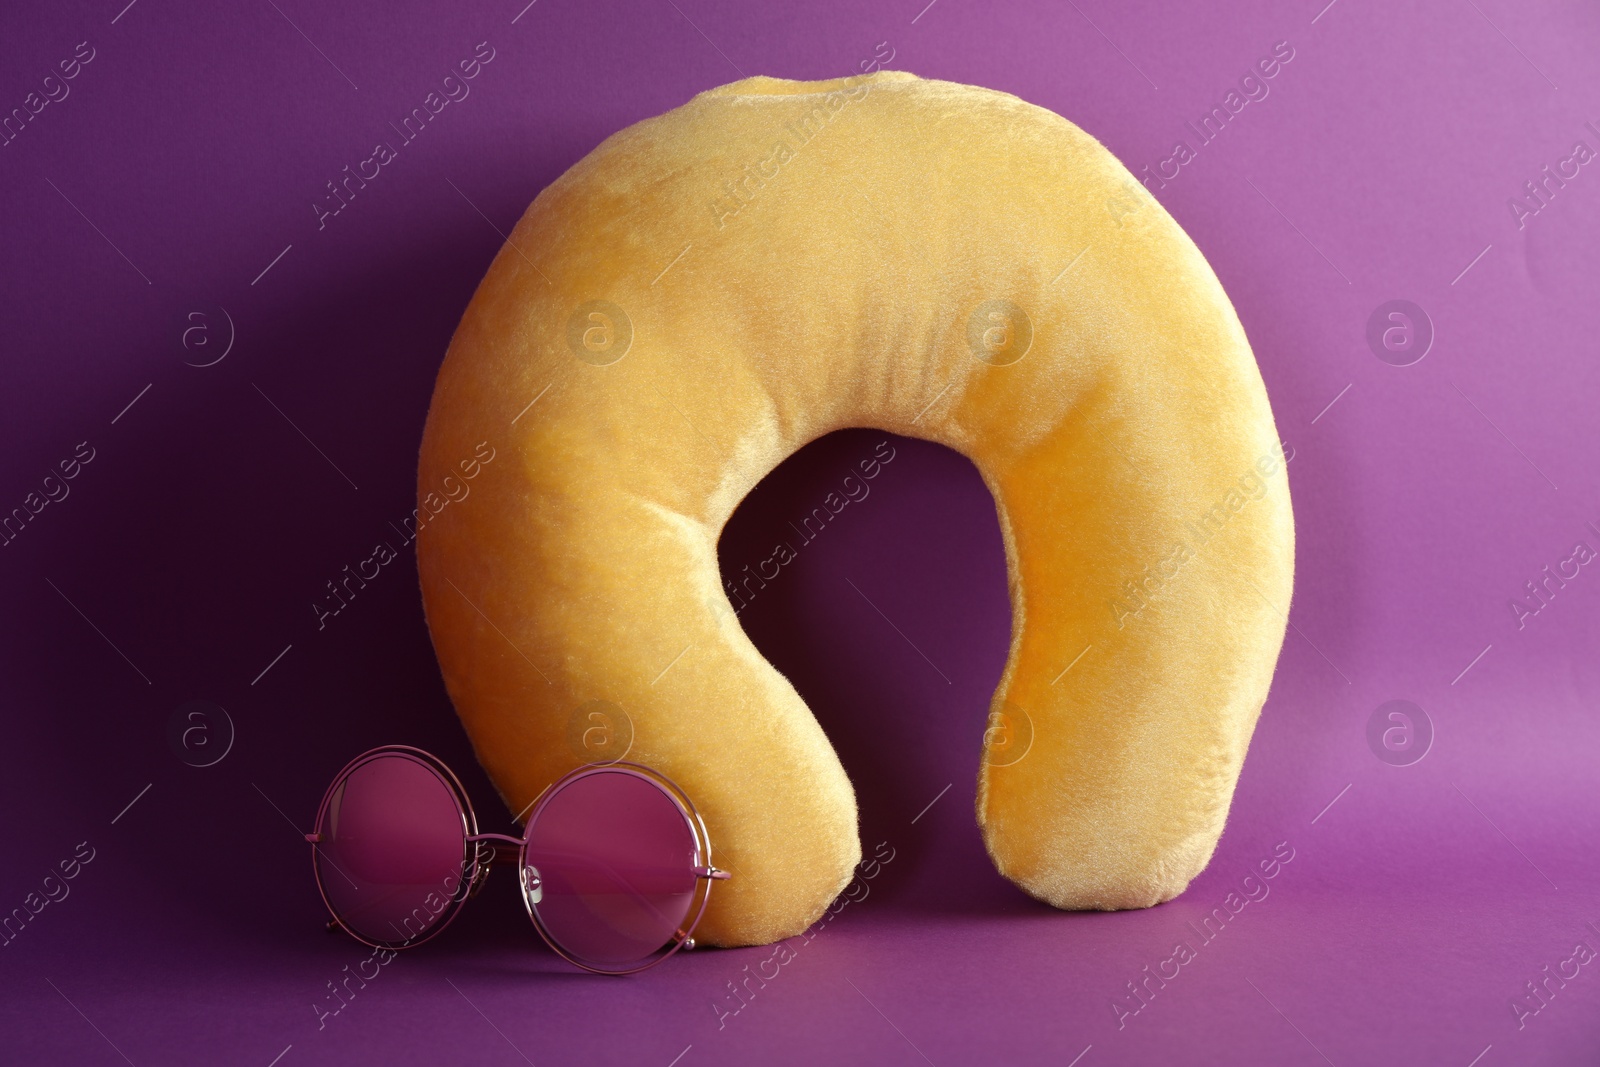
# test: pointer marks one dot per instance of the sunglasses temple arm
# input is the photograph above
(502, 857)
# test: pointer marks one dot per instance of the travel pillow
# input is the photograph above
(711, 289)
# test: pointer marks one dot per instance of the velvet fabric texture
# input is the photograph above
(709, 290)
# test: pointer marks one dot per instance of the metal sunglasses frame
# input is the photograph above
(479, 852)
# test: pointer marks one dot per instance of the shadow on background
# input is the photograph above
(892, 621)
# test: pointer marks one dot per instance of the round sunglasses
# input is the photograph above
(614, 863)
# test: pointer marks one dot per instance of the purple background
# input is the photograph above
(189, 551)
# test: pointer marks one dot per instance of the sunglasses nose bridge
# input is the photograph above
(504, 856)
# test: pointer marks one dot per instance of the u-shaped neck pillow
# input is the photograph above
(708, 291)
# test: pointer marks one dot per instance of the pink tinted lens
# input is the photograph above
(393, 849)
(610, 876)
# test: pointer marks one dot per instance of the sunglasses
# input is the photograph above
(614, 862)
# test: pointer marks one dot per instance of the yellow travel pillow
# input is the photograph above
(711, 289)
